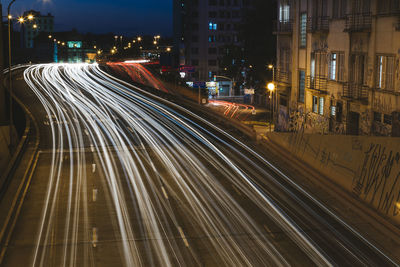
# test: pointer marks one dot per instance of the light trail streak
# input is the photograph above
(149, 155)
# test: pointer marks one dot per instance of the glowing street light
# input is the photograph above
(35, 26)
(30, 17)
(139, 39)
(271, 87)
(168, 49)
(21, 20)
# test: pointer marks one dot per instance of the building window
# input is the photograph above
(321, 105)
(315, 104)
(212, 62)
(318, 105)
(339, 9)
(303, 30)
(302, 85)
(377, 117)
(195, 62)
(333, 111)
(212, 14)
(212, 50)
(385, 72)
(212, 2)
(195, 50)
(336, 67)
(387, 119)
(284, 12)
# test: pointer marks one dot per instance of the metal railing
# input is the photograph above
(283, 27)
(318, 24)
(358, 22)
(318, 83)
(355, 91)
(282, 76)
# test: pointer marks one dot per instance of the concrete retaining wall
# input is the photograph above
(368, 167)
(4, 152)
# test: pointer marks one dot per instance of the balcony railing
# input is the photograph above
(282, 76)
(318, 83)
(283, 27)
(318, 24)
(358, 22)
(355, 91)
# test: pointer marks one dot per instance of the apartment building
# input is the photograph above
(31, 29)
(337, 67)
(202, 28)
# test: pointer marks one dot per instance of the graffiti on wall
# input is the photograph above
(365, 123)
(378, 180)
(283, 120)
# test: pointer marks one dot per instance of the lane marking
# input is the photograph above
(94, 195)
(164, 192)
(86, 132)
(92, 148)
(93, 167)
(95, 237)
(183, 236)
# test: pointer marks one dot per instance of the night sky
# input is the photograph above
(129, 17)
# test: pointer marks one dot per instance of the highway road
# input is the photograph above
(125, 178)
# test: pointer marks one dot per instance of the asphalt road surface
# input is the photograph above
(125, 178)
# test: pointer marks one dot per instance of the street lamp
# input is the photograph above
(271, 89)
(9, 73)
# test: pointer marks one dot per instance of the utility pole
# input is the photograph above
(2, 93)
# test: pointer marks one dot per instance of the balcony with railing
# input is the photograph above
(358, 22)
(318, 83)
(283, 27)
(283, 76)
(318, 24)
(354, 91)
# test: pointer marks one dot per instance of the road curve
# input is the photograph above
(177, 190)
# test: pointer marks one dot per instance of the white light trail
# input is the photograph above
(145, 150)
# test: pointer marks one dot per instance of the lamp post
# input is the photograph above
(271, 88)
(2, 93)
(9, 75)
(21, 20)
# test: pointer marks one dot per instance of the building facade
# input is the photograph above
(202, 30)
(337, 67)
(31, 29)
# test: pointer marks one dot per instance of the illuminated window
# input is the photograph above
(385, 72)
(212, 26)
(315, 104)
(284, 12)
(321, 105)
(303, 30)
